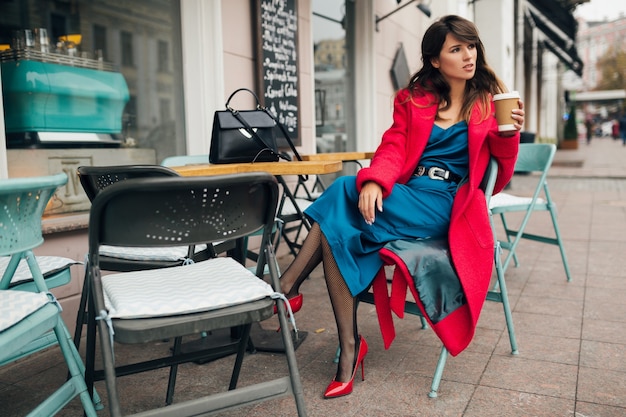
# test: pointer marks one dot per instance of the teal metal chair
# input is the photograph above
(499, 294)
(31, 320)
(533, 158)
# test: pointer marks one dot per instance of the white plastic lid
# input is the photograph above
(504, 96)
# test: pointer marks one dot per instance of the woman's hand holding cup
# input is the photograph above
(509, 112)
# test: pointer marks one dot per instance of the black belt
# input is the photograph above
(437, 173)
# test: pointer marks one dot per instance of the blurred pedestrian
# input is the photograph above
(589, 127)
(622, 127)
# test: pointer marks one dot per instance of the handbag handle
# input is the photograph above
(256, 98)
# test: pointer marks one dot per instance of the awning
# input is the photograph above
(559, 27)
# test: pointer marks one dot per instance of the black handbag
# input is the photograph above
(243, 135)
(246, 135)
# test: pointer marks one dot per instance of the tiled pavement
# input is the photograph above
(572, 338)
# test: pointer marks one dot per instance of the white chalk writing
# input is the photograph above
(279, 25)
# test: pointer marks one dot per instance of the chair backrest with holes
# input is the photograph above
(182, 211)
(96, 178)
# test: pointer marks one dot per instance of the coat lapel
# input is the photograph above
(476, 134)
(422, 119)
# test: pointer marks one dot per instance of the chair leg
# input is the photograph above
(97, 402)
(241, 350)
(559, 241)
(171, 383)
(509, 244)
(82, 311)
(441, 364)
(301, 219)
(108, 358)
(90, 349)
(294, 373)
(337, 353)
(74, 386)
(503, 297)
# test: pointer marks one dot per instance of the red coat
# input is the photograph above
(470, 236)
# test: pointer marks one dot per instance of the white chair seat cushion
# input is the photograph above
(49, 265)
(16, 305)
(177, 253)
(289, 208)
(202, 286)
(510, 200)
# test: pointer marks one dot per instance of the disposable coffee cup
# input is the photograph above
(505, 103)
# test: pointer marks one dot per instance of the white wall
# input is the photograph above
(405, 27)
(495, 20)
(203, 70)
(549, 106)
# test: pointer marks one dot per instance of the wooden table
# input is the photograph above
(309, 167)
(338, 156)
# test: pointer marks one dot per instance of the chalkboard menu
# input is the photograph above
(277, 62)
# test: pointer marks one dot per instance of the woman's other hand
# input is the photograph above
(518, 116)
(370, 200)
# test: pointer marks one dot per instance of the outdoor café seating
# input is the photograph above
(169, 303)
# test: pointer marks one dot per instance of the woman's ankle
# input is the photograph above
(347, 360)
(288, 288)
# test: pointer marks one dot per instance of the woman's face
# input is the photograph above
(456, 60)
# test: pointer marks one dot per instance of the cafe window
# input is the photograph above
(130, 114)
(100, 41)
(58, 23)
(126, 39)
(165, 108)
(121, 76)
(163, 56)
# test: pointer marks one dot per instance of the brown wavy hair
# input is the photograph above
(429, 80)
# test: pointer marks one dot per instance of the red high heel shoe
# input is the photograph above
(338, 389)
(295, 303)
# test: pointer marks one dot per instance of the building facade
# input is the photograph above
(594, 40)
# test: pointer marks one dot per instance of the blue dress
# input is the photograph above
(420, 208)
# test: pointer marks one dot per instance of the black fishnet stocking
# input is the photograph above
(309, 256)
(344, 307)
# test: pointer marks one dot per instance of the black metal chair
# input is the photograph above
(143, 306)
(94, 179)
